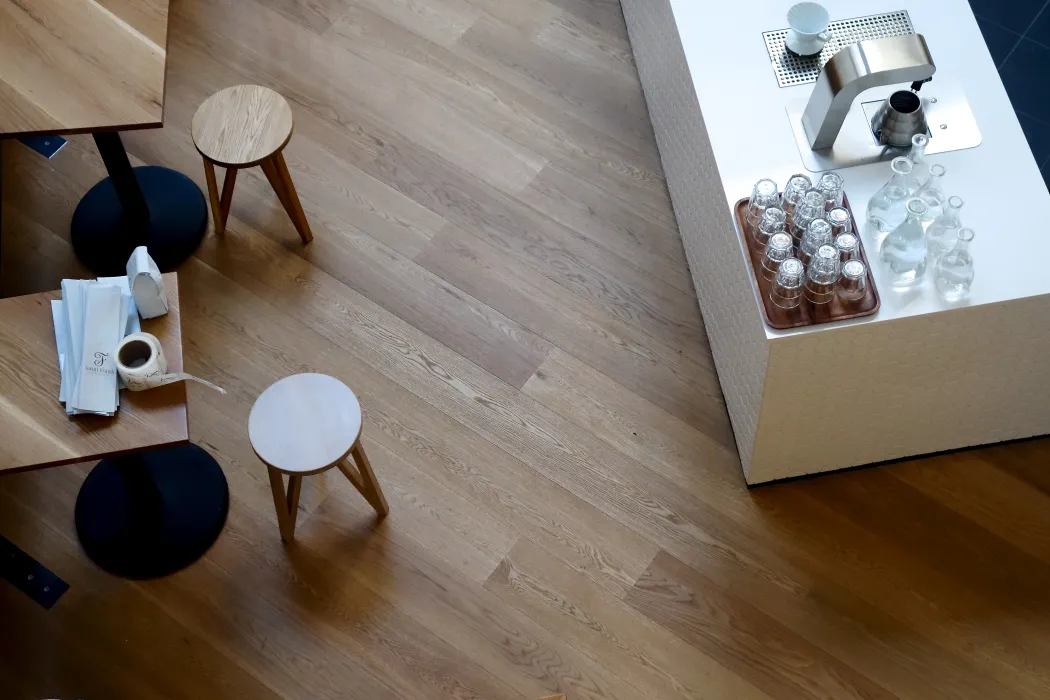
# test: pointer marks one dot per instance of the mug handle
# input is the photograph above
(825, 35)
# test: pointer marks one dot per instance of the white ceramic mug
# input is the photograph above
(808, 22)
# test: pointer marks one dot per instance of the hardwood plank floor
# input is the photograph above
(497, 273)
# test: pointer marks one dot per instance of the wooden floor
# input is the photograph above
(497, 274)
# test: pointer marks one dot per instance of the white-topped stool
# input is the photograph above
(306, 424)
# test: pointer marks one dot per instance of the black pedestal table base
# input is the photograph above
(150, 514)
(104, 235)
(152, 206)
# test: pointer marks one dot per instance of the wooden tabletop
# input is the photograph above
(35, 431)
(70, 66)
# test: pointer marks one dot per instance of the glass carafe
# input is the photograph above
(904, 249)
(921, 169)
(955, 268)
(932, 193)
(886, 209)
(943, 232)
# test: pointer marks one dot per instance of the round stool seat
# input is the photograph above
(305, 423)
(242, 126)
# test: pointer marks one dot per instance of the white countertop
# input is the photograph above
(999, 180)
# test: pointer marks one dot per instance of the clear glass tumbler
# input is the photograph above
(794, 189)
(773, 221)
(840, 221)
(848, 246)
(818, 233)
(955, 268)
(822, 275)
(809, 209)
(779, 249)
(904, 249)
(853, 284)
(831, 185)
(763, 195)
(786, 291)
(886, 207)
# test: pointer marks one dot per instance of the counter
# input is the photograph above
(922, 375)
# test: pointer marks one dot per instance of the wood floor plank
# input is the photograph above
(637, 428)
(498, 638)
(603, 219)
(527, 17)
(604, 14)
(743, 639)
(316, 15)
(632, 357)
(343, 621)
(953, 543)
(466, 325)
(1024, 460)
(482, 97)
(440, 21)
(582, 43)
(606, 629)
(899, 588)
(991, 497)
(383, 94)
(543, 245)
(601, 98)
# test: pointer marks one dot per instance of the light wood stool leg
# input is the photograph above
(213, 194)
(286, 503)
(276, 171)
(227, 195)
(220, 206)
(364, 480)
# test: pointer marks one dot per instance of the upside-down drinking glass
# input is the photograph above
(822, 275)
(763, 195)
(777, 251)
(786, 291)
(818, 233)
(794, 189)
(840, 221)
(809, 209)
(831, 185)
(848, 246)
(772, 221)
(854, 281)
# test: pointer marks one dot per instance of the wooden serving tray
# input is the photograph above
(807, 313)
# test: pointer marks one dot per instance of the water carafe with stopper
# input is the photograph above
(904, 249)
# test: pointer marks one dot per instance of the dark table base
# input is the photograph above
(150, 514)
(104, 233)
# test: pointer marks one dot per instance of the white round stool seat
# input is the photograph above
(305, 423)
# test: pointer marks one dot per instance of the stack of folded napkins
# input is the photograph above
(90, 321)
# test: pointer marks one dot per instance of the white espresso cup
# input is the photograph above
(808, 22)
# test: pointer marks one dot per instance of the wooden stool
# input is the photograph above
(306, 424)
(239, 127)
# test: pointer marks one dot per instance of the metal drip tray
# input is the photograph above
(792, 69)
(951, 127)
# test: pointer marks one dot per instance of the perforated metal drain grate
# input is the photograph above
(799, 70)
